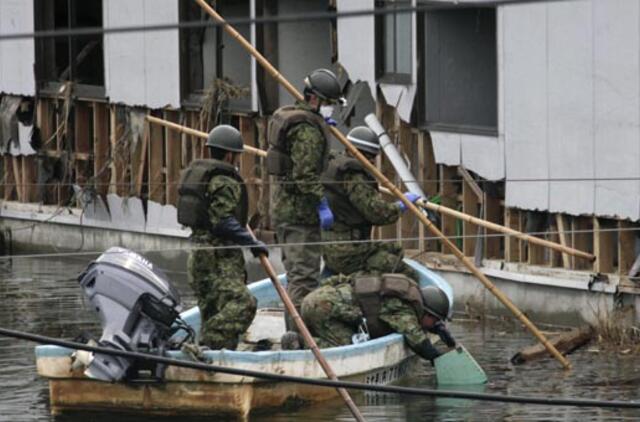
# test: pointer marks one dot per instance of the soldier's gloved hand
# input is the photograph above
(426, 350)
(330, 121)
(441, 330)
(412, 197)
(325, 214)
(259, 249)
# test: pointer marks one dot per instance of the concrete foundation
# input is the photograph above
(546, 295)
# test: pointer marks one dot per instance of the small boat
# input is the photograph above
(186, 391)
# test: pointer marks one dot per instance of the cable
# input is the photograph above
(424, 392)
(292, 18)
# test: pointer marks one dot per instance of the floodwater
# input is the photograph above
(41, 295)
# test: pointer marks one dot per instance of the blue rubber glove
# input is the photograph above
(324, 214)
(330, 121)
(412, 197)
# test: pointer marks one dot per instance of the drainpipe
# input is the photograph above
(394, 156)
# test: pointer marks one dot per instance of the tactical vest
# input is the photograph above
(333, 178)
(278, 155)
(370, 290)
(194, 200)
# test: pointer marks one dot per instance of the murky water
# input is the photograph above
(41, 295)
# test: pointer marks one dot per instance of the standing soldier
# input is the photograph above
(298, 150)
(357, 206)
(213, 202)
(380, 305)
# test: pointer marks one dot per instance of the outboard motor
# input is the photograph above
(138, 308)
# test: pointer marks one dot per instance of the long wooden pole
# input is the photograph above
(308, 338)
(384, 181)
(424, 204)
(193, 132)
(501, 229)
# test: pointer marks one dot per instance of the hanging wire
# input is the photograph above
(425, 5)
(197, 247)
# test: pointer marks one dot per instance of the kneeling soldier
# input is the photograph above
(386, 304)
(213, 203)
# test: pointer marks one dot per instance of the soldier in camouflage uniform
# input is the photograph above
(213, 202)
(389, 303)
(357, 206)
(298, 149)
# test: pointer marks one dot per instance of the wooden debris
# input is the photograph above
(565, 343)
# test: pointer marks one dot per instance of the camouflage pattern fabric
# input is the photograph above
(299, 193)
(217, 276)
(347, 258)
(333, 315)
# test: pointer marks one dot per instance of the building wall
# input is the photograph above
(142, 68)
(571, 74)
(17, 57)
(302, 46)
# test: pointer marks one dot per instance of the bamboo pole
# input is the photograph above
(198, 133)
(384, 181)
(308, 338)
(424, 204)
(501, 229)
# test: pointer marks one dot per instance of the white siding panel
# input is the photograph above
(446, 148)
(525, 105)
(356, 46)
(17, 57)
(571, 108)
(162, 55)
(483, 155)
(142, 67)
(617, 107)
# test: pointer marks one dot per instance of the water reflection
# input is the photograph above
(42, 296)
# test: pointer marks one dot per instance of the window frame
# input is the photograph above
(421, 106)
(382, 75)
(45, 53)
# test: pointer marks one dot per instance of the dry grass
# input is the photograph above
(614, 331)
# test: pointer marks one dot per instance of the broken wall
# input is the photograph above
(17, 57)
(571, 107)
(142, 68)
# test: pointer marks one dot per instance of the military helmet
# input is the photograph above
(225, 137)
(364, 139)
(324, 84)
(435, 302)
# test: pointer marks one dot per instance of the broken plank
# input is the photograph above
(565, 343)
(173, 158)
(564, 239)
(155, 163)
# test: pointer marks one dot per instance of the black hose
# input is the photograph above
(323, 382)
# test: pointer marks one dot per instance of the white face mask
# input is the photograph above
(326, 110)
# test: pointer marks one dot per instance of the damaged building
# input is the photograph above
(525, 115)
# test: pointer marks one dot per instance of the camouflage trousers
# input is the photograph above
(227, 307)
(378, 258)
(332, 315)
(302, 261)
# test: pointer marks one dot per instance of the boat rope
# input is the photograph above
(425, 392)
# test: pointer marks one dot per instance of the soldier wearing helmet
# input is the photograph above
(297, 155)
(213, 203)
(357, 206)
(378, 305)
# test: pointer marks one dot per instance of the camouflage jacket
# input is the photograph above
(225, 194)
(365, 198)
(298, 194)
(399, 315)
